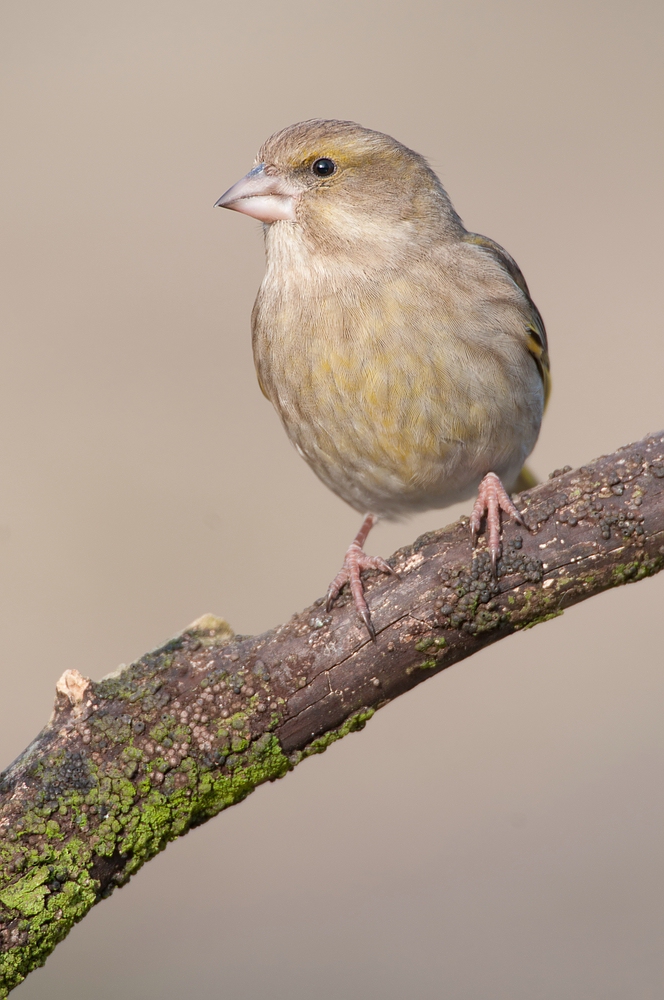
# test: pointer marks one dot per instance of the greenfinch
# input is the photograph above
(403, 354)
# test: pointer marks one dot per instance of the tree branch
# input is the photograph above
(132, 761)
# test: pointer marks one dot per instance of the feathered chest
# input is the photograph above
(367, 344)
(395, 380)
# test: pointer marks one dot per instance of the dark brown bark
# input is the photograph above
(128, 763)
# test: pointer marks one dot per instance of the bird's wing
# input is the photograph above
(536, 342)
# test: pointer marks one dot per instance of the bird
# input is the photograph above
(403, 353)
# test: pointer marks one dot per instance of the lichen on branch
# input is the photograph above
(128, 763)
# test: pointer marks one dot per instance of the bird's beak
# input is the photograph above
(265, 196)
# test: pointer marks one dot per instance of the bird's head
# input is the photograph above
(345, 186)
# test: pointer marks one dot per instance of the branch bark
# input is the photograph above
(130, 762)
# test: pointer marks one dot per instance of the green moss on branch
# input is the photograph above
(129, 763)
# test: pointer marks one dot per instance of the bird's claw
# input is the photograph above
(365, 615)
(492, 497)
(355, 561)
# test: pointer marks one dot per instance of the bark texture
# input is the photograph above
(132, 761)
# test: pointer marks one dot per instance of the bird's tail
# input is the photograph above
(525, 481)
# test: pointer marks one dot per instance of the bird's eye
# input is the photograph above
(323, 167)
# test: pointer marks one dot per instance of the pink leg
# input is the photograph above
(354, 562)
(491, 499)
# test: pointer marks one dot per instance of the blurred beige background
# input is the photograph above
(497, 832)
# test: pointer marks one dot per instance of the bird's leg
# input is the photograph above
(355, 561)
(491, 499)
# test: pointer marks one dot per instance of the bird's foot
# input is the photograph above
(491, 499)
(355, 561)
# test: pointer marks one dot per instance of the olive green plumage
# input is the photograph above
(403, 354)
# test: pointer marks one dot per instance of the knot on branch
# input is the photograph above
(71, 692)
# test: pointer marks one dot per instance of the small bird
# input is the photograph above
(403, 354)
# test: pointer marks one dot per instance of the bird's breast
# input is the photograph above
(388, 404)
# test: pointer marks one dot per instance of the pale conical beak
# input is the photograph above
(265, 196)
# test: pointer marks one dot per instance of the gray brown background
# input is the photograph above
(497, 833)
